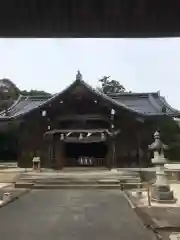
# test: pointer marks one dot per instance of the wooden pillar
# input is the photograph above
(51, 155)
(113, 147)
(108, 155)
(138, 148)
(48, 151)
(59, 154)
(111, 155)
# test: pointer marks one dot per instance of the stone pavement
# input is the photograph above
(162, 218)
(72, 214)
(165, 222)
(14, 194)
(7, 177)
(142, 201)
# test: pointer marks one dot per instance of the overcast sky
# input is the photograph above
(141, 65)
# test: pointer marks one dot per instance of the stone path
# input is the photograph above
(174, 236)
(72, 215)
(163, 217)
(6, 177)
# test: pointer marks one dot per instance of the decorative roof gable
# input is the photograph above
(143, 104)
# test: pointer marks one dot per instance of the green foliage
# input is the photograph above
(170, 135)
(111, 86)
(35, 93)
(9, 92)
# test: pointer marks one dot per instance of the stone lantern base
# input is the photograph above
(162, 194)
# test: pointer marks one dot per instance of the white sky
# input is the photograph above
(141, 65)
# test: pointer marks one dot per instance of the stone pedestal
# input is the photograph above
(114, 170)
(160, 191)
(162, 194)
(7, 196)
(36, 164)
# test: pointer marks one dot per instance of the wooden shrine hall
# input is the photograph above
(81, 126)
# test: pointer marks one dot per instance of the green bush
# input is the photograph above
(170, 135)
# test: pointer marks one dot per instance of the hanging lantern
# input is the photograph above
(62, 136)
(102, 136)
(49, 127)
(113, 112)
(44, 113)
(80, 136)
(89, 134)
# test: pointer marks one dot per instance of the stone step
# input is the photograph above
(127, 186)
(80, 178)
(69, 186)
(130, 180)
(77, 175)
(23, 185)
(77, 181)
(76, 186)
(63, 185)
(82, 181)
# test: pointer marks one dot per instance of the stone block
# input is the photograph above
(162, 194)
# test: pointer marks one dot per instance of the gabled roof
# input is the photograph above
(143, 104)
(147, 103)
(23, 105)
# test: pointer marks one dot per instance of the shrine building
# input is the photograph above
(81, 126)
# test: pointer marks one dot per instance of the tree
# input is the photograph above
(170, 135)
(111, 86)
(9, 93)
(35, 93)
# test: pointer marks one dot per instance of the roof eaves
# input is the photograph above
(104, 96)
(100, 94)
(46, 101)
(164, 102)
(12, 106)
(113, 101)
(138, 94)
(154, 103)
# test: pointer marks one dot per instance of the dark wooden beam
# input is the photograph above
(88, 18)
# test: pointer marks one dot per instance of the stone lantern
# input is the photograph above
(160, 190)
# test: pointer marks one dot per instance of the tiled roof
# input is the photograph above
(144, 104)
(23, 105)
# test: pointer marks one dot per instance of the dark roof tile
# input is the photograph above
(146, 104)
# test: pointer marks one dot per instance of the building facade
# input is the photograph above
(81, 126)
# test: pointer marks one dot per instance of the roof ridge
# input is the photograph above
(109, 98)
(51, 97)
(21, 100)
(13, 105)
(77, 81)
(44, 101)
(163, 100)
(132, 93)
(38, 97)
